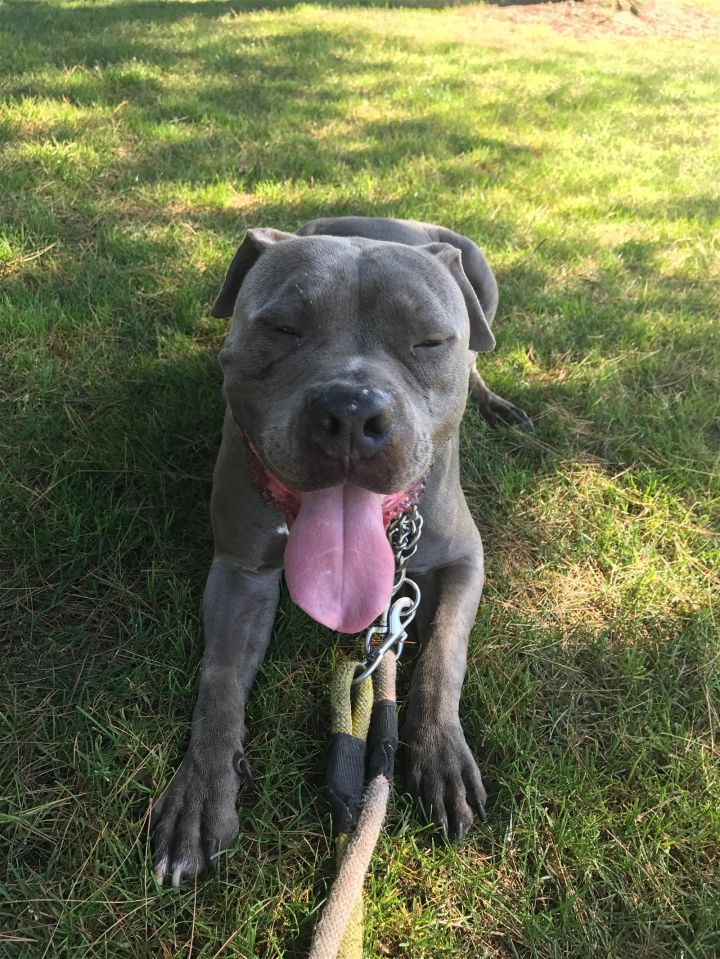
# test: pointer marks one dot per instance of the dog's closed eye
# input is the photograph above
(434, 342)
(287, 331)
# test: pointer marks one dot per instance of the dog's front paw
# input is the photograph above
(196, 817)
(443, 777)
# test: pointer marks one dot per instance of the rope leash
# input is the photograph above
(357, 819)
(364, 738)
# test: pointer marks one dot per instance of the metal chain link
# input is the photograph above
(390, 628)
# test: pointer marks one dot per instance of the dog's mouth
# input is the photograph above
(339, 566)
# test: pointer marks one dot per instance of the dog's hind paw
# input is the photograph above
(496, 410)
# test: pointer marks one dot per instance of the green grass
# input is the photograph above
(139, 140)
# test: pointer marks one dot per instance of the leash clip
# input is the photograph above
(392, 623)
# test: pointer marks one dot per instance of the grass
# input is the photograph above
(139, 139)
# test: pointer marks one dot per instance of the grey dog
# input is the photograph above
(346, 374)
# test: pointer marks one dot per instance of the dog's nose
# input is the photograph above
(350, 421)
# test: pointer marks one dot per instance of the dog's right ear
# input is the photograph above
(256, 242)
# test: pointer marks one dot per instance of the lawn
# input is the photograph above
(138, 141)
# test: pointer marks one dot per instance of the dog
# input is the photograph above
(346, 374)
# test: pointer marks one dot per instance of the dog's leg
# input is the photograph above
(196, 817)
(441, 773)
(493, 408)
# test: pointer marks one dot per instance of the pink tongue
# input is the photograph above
(339, 566)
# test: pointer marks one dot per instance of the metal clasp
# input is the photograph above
(392, 623)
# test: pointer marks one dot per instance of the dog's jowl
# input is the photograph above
(347, 366)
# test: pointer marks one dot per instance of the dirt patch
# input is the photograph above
(592, 18)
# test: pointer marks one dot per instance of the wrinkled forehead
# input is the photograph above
(306, 270)
(408, 277)
(348, 274)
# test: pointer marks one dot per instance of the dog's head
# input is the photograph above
(347, 361)
(347, 369)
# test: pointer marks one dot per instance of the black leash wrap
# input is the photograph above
(382, 740)
(345, 779)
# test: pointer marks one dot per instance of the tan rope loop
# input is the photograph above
(339, 932)
(347, 888)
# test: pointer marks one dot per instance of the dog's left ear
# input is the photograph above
(256, 242)
(481, 338)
